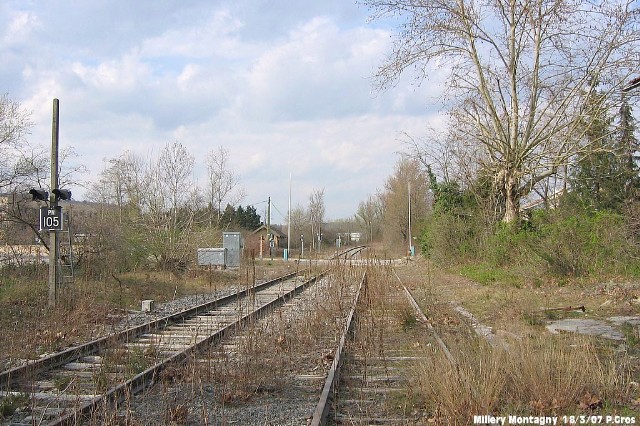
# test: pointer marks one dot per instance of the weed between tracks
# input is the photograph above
(374, 383)
(536, 374)
(262, 358)
(253, 371)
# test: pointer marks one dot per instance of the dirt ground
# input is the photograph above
(520, 309)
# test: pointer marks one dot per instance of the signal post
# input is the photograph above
(54, 243)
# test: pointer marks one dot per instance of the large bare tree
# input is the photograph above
(521, 71)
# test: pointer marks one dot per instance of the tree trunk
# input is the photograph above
(512, 200)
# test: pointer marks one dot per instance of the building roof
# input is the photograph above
(275, 230)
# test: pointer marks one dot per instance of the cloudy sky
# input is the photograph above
(284, 85)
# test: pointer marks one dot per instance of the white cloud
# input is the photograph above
(308, 77)
(214, 37)
(284, 92)
(20, 28)
(122, 75)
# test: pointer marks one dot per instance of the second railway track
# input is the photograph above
(380, 351)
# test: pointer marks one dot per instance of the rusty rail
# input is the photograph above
(321, 413)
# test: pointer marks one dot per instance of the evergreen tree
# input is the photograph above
(228, 218)
(603, 177)
(627, 150)
(249, 218)
(246, 218)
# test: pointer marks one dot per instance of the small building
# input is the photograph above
(259, 237)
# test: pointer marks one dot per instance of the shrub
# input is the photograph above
(585, 243)
(510, 246)
(450, 239)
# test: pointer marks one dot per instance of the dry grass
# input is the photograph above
(452, 393)
(261, 358)
(537, 376)
(539, 373)
(29, 328)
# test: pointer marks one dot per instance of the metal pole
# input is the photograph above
(409, 230)
(289, 220)
(54, 244)
(268, 218)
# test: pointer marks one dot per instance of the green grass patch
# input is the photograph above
(407, 319)
(632, 335)
(485, 274)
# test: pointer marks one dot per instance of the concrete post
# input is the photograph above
(54, 243)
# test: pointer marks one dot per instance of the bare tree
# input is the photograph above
(18, 162)
(370, 214)
(521, 72)
(299, 225)
(156, 204)
(169, 204)
(120, 184)
(397, 197)
(316, 214)
(222, 181)
(173, 172)
(22, 167)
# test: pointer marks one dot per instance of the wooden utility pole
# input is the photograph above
(268, 218)
(54, 243)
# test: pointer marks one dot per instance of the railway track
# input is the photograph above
(349, 253)
(270, 372)
(63, 387)
(369, 382)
